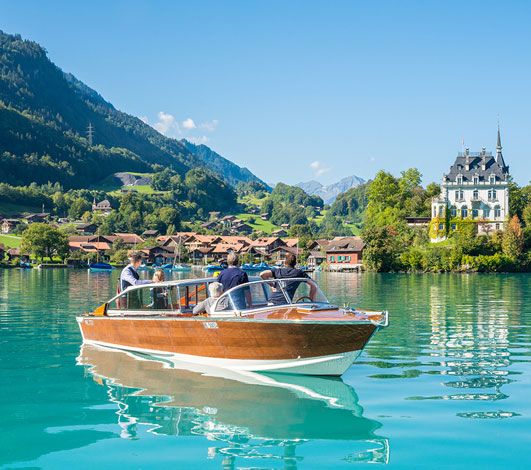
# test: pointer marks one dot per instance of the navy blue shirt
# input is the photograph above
(290, 286)
(231, 277)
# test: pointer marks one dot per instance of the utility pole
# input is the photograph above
(90, 133)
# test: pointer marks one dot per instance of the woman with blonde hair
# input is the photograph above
(159, 295)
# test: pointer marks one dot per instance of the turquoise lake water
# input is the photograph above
(448, 384)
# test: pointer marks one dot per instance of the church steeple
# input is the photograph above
(499, 155)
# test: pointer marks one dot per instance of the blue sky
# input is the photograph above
(305, 89)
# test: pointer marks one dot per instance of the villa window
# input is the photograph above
(492, 195)
(497, 212)
(459, 179)
(476, 180)
(331, 259)
(464, 212)
(475, 195)
(474, 213)
(453, 226)
(492, 179)
(441, 209)
(441, 226)
(497, 226)
(486, 212)
(453, 211)
(348, 258)
(459, 195)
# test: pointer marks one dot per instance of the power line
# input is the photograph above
(90, 133)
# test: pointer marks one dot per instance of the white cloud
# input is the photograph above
(166, 123)
(319, 168)
(202, 139)
(170, 126)
(209, 126)
(188, 124)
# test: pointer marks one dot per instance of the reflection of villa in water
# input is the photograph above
(474, 344)
(245, 415)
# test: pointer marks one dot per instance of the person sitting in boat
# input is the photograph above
(159, 295)
(215, 289)
(130, 277)
(287, 271)
(233, 276)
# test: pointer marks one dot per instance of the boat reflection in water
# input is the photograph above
(246, 414)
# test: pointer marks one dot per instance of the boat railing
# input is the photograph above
(180, 297)
(303, 292)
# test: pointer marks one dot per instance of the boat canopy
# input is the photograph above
(180, 297)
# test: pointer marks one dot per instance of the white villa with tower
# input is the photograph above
(477, 188)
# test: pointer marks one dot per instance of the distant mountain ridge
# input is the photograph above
(232, 173)
(44, 114)
(330, 192)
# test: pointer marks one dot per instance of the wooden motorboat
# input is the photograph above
(275, 325)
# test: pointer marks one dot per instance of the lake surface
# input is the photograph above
(447, 384)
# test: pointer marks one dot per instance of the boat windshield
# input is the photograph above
(271, 293)
(165, 297)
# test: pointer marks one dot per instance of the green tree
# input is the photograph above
(43, 240)
(513, 239)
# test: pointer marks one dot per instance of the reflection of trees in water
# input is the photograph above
(258, 417)
(457, 326)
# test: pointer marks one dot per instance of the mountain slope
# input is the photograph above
(45, 114)
(231, 172)
(330, 192)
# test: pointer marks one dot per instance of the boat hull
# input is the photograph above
(309, 348)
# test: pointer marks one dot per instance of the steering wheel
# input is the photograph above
(303, 298)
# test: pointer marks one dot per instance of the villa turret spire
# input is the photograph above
(499, 155)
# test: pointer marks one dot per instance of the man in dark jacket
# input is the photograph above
(234, 276)
(129, 277)
(288, 271)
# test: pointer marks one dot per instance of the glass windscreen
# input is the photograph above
(145, 298)
(271, 292)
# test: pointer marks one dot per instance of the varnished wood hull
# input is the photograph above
(308, 347)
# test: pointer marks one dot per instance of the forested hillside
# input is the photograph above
(44, 115)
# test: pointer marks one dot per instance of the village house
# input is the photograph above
(211, 225)
(345, 253)
(97, 244)
(265, 245)
(9, 225)
(200, 254)
(158, 255)
(40, 217)
(150, 234)
(14, 253)
(278, 255)
(291, 241)
(129, 239)
(242, 228)
(236, 239)
(86, 228)
(222, 250)
(179, 238)
(197, 241)
(264, 216)
(279, 233)
(102, 207)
